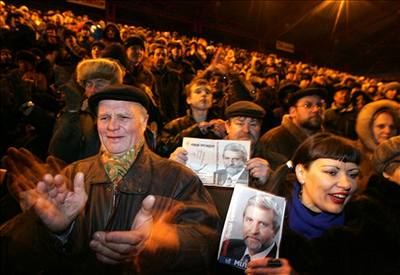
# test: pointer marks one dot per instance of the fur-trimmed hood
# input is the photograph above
(365, 119)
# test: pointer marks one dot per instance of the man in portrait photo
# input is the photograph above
(234, 159)
(261, 223)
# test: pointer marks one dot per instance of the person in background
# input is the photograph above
(74, 135)
(199, 122)
(376, 122)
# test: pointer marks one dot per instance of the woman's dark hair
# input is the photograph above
(322, 145)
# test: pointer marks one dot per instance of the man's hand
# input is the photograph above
(180, 155)
(262, 266)
(54, 203)
(117, 247)
(259, 168)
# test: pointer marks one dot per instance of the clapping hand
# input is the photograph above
(117, 247)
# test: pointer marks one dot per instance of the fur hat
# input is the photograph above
(119, 92)
(391, 86)
(387, 152)
(99, 68)
(365, 119)
(246, 109)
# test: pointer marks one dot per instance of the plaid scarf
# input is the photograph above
(117, 166)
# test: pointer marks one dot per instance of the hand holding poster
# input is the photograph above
(253, 227)
(218, 162)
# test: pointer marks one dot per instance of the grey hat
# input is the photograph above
(386, 153)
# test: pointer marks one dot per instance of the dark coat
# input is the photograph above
(174, 131)
(341, 121)
(282, 140)
(181, 201)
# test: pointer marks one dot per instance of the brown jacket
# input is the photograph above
(182, 203)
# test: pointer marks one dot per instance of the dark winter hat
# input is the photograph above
(134, 40)
(119, 92)
(26, 56)
(386, 153)
(98, 43)
(341, 87)
(271, 74)
(321, 92)
(244, 108)
(117, 52)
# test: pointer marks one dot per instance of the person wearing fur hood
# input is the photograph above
(376, 122)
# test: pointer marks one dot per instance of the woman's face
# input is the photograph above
(327, 184)
(383, 127)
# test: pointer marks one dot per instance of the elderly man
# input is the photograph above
(125, 210)
(244, 119)
(304, 119)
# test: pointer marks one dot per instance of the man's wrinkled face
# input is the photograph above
(258, 229)
(243, 128)
(121, 125)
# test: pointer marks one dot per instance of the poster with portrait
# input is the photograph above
(253, 227)
(218, 162)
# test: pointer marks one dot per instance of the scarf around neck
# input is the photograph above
(309, 224)
(117, 166)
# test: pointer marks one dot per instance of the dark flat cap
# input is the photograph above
(134, 40)
(119, 92)
(386, 152)
(321, 92)
(244, 108)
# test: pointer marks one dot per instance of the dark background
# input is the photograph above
(360, 37)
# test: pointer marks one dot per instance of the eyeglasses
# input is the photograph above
(310, 106)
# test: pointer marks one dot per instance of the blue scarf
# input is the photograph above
(307, 223)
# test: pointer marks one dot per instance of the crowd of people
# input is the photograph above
(101, 110)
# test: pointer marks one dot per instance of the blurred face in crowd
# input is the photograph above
(327, 184)
(395, 175)
(92, 86)
(200, 97)
(243, 128)
(5, 56)
(341, 98)
(258, 230)
(160, 58)
(383, 127)
(96, 51)
(391, 94)
(271, 81)
(234, 161)
(121, 125)
(135, 54)
(176, 52)
(217, 83)
(307, 113)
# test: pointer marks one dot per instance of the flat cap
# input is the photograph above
(119, 92)
(386, 152)
(134, 40)
(321, 92)
(244, 108)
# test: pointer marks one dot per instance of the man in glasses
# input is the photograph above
(304, 119)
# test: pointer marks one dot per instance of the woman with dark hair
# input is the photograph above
(326, 230)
